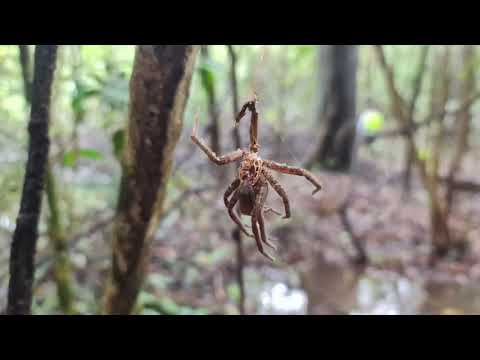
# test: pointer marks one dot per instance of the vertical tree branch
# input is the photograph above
(209, 87)
(24, 56)
(399, 108)
(58, 241)
(159, 89)
(234, 86)
(24, 241)
(56, 232)
(439, 98)
(236, 234)
(463, 120)
(417, 86)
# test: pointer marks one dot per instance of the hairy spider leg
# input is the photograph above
(257, 239)
(280, 191)
(261, 223)
(286, 169)
(219, 160)
(234, 217)
(260, 200)
(269, 209)
(250, 105)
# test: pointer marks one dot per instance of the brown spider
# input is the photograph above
(250, 187)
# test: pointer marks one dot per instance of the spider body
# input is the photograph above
(250, 188)
(250, 168)
(246, 199)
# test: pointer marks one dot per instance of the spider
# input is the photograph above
(251, 184)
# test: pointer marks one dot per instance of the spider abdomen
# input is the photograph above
(246, 199)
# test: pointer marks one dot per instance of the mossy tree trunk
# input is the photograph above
(25, 236)
(62, 269)
(159, 89)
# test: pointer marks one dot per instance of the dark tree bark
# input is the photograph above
(24, 56)
(338, 71)
(159, 89)
(62, 269)
(26, 233)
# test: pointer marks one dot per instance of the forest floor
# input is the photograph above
(193, 267)
(315, 247)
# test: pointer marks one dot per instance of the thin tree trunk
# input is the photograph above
(463, 120)
(56, 232)
(439, 98)
(58, 241)
(159, 89)
(236, 234)
(417, 87)
(338, 64)
(24, 56)
(240, 257)
(234, 86)
(24, 241)
(399, 108)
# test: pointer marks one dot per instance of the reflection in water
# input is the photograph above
(278, 299)
(339, 289)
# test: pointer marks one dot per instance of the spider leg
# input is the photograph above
(219, 160)
(250, 105)
(280, 191)
(285, 169)
(257, 217)
(269, 209)
(233, 186)
(257, 239)
(234, 217)
(262, 231)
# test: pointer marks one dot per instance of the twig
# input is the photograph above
(403, 131)
(236, 234)
(234, 89)
(361, 258)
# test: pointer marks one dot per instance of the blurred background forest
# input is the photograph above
(390, 130)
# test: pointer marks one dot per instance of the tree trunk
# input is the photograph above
(159, 89)
(440, 92)
(409, 158)
(24, 56)
(56, 232)
(24, 242)
(58, 241)
(463, 120)
(338, 70)
(236, 234)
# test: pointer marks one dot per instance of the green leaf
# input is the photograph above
(118, 140)
(207, 76)
(90, 154)
(70, 158)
